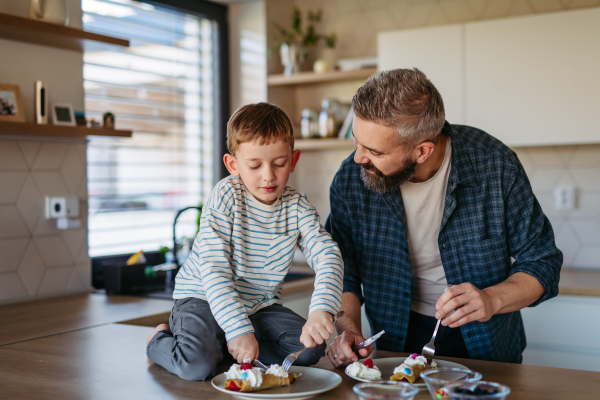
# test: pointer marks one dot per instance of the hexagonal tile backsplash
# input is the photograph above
(37, 259)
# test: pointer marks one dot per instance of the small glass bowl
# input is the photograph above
(501, 391)
(437, 378)
(387, 390)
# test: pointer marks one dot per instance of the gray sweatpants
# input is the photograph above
(196, 343)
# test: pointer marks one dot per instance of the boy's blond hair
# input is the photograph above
(262, 122)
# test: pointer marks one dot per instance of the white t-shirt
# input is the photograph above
(423, 209)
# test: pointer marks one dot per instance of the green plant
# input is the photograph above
(306, 38)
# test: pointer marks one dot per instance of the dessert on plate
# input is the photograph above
(364, 370)
(244, 378)
(410, 370)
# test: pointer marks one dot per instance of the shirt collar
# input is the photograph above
(462, 172)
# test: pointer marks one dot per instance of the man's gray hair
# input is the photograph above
(402, 98)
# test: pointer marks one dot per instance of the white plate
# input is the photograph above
(387, 366)
(310, 382)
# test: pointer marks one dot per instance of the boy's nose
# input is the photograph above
(269, 175)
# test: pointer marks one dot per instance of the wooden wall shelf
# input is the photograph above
(311, 77)
(323, 144)
(29, 129)
(46, 34)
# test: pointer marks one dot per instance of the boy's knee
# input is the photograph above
(311, 356)
(199, 371)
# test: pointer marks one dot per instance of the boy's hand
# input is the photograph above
(317, 329)
(243, 347)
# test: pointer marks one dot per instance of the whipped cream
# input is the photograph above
(405, 369)
(253, 375)
(360, 370)
(277, 370)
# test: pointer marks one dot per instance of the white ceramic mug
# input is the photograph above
(53, 11)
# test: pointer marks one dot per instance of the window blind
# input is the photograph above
(162, 88)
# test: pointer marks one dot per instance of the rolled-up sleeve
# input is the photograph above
(338, 225)
(530, 236)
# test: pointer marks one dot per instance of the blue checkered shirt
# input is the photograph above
(490, 215)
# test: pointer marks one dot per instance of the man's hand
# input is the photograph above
(317, 329)
(341, 354)
(471, 304)
(243, 347)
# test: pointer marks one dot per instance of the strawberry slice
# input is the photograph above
(233, 386)
(368, 362)
(245, 366)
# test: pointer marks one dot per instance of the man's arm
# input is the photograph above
(534, 275)
(517, 292)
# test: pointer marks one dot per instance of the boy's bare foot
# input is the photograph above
(161, 327)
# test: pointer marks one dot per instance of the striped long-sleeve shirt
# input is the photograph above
(244, 250)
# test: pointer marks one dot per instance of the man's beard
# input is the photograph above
(381, 183)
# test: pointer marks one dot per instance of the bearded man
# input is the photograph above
(422, 205)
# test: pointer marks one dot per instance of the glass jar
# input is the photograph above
(309, 124)
(327, 118)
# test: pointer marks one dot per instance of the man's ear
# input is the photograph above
(231, 164)
(425, 150)
(295, 158)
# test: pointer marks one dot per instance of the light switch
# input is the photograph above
(564, 197)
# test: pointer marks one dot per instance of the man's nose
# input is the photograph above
(359, 156)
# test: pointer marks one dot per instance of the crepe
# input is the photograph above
(410, 370)
(268, 382)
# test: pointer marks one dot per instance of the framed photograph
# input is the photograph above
(11, 105)
(62, 114)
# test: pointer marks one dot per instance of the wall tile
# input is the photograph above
(587, 231)
(11, 288)
(583, 3)
(30, 150)
(53, 251)
(544, 180)
(586, 155)
(587, 178)
(521, 8)
(418, 15)
(73, 171)
(567, 242)
(545, 156)
(84, 272)
(50, 183)
(55, 281)
(31, 204)
(32, 269)
(11, 253)
(12, 224)
(74, 240)
(11, 184)
(50, 156)
(11, 157)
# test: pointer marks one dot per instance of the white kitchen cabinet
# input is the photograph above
(535, 80)
(528, 81)
(437, 52)
(563, 332)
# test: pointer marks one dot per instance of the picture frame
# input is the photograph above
(11, 104)
(62, 114)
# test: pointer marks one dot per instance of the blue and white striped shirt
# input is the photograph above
(244, 250)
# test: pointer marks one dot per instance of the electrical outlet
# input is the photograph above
(56, 207)
(564, 197)
(62, 207)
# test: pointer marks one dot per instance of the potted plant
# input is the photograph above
(294, 42)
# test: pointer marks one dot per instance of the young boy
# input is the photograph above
(229, 290)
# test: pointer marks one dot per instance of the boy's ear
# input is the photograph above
(295, 158)
(231, 164)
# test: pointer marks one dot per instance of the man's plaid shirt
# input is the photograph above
(490, 215)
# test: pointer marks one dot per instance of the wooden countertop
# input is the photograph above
(109, 362)
(25, 321)
(579, 282)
